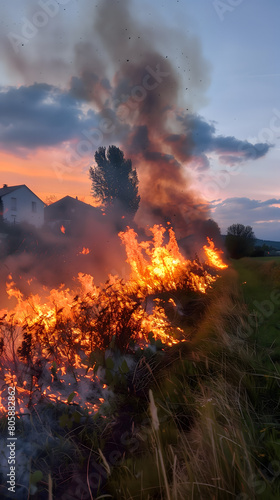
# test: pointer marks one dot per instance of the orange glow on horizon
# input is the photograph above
(38, 172)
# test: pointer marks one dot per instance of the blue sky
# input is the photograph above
(223, 52)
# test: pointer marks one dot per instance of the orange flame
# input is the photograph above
(85, 251)
(62, 229)
(166, 268)
(214, 255)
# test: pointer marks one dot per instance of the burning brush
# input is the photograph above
(47, 342)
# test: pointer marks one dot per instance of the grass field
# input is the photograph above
(259, 279)
(198, 420)
(218, 402)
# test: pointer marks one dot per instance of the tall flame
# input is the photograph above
(214, 255)
(165, 268)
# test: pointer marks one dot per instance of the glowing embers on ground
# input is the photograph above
(47, 340)
(44, 382)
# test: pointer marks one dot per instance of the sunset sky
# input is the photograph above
(65, 69)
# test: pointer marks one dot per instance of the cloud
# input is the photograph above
(42, 115)
(229, 149)
(255, 213)
(38, 115)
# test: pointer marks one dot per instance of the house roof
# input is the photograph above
(69, 201)
(9, 189)
(68, 208)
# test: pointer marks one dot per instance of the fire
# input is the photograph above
(49, 341)
(214, 255)
(62, 229)
(165, 268)
(85, 251)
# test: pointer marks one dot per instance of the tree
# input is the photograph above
(211, 229)
(240, 241)
(114, 181)
(50, 199)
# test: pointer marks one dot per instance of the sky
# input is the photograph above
(201, 81)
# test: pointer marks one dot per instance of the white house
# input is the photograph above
(20, 204)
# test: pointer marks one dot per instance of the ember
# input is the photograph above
(85, 251)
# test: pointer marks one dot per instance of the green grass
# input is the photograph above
(217, 407)
(268, 259)
(259, 279)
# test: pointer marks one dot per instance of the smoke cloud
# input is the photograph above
(141, 86)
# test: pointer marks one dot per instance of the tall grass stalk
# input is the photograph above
(155, 426)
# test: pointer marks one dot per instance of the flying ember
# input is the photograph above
(84, 251)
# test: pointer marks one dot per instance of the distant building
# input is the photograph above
(71, 213)
(19, 204)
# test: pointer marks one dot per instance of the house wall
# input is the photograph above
(17, 207)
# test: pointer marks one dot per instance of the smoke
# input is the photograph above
(142, 85)
(137, 78)
(48, 257)
(139, 87)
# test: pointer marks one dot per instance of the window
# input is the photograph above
(13, 204)
(34, 206)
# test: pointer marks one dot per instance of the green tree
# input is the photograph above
(240, 241)
(114, 181)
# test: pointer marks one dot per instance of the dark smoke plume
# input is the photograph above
(142, 86)
(139, 86)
